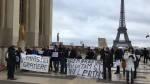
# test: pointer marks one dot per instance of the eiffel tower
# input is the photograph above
(122, 30)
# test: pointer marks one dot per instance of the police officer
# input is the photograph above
(11, 63)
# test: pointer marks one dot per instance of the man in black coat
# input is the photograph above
(107, 63)
(71, 52)
(145, 53)
(11, 63)
(118, 56)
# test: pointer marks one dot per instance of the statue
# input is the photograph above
(57, 37)
(21, 32)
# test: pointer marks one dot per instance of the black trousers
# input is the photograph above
(109, 71)
(145, 59)
(11, 70)
(118, 69)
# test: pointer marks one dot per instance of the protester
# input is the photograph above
(71, 52)
(145, 53)
(28, 51)
(63, 60)
(78, 52)
(11, 63)
(18, 55)
(47, 52)
(137, 54)
(56, 59)
(35, 51)
(130, 58)
(124, 62)
(102, 52)
(118, 57)
(90, 54)
(107, 63)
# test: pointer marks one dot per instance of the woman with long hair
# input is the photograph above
(130, 58)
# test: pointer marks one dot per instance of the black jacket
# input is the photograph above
(107, 60)
(47, 53)
(11, 55)
(72, 54)
(28, 51)
(90, 55)
(118, 54)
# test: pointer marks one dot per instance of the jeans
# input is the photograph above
(63, 65)
(132, 76)
(145, 59)
(56, 65)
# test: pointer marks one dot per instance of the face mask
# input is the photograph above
(107, 51)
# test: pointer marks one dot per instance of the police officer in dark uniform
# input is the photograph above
(11, 61)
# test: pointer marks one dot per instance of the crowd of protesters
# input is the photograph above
(128, 57)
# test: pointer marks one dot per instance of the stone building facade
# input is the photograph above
(34, 15)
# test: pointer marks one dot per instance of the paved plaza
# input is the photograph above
(143, 77)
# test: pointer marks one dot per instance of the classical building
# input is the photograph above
(35, 16)
(25, 22)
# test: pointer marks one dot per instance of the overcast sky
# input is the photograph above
(88, 20)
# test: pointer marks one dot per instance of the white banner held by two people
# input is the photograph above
(85, 68)
(34, 63)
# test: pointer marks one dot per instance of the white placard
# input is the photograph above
(34, 63)
(57, 43)
(72, 44)
(92, 47)
(55, 54)
(85, 68)
(51, 47)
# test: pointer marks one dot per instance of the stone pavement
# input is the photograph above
(143, 77)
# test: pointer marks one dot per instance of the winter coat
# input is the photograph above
(71, 54)
(107, 59)
(11, 56)
(129, 61)
(118, 54)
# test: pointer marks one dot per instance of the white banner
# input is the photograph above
(34, 63)
(85, 68)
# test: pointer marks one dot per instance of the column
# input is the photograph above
(11, 22)
(32, 31)
(46, 36)
(2, 20)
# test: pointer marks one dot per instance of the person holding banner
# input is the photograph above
(71, 52)
(47, 52)
(107, 63)
(63, 60)
(55, 58)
